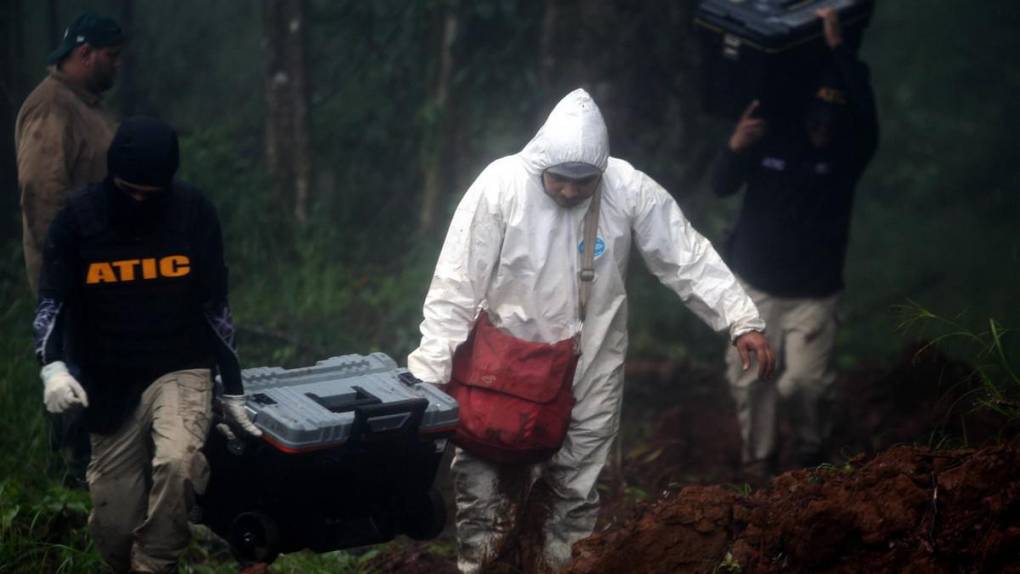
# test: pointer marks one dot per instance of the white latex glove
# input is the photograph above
(233, 411)
(60, 389)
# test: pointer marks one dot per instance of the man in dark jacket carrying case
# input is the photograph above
(789, 245)
(133, 296)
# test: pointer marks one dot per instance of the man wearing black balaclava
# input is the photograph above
(133, 294)
(789, 244)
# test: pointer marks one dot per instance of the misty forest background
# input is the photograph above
(336, 138)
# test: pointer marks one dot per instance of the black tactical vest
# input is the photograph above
(138, 309)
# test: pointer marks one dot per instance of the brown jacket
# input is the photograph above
(61, 136)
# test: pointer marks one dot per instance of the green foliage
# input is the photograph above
(42, 525)
(986, 349)
(42, 529)
(826, 470)
(743, 490)
(196, 562)
(22, 429)
(844, 469)
(316, 306)
(299, 295)
(729, 565)
(936, 210)
(635, 493)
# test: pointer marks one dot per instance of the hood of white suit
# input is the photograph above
(574, 131)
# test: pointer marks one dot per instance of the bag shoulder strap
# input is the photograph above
(587, 273)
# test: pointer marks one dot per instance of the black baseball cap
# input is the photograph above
(88, 28)
(574, 170)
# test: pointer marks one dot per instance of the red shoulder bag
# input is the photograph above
(516, 396)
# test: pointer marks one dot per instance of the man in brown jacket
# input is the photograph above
(62, 131)
(61, 136)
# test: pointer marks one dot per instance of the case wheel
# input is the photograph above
(254, 537)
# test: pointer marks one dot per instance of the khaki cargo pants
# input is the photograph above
(802, 333)
(143, 478)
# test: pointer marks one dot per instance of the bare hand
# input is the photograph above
(830, 23)
(748, 131)
(755, 342)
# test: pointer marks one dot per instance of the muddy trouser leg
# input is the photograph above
(180, 411)
(574, 502)
(117, 485)
(757, 400)
(486, 510)
(809, 376)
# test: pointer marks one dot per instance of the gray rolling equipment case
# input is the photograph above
(770, 50)
(350, 449)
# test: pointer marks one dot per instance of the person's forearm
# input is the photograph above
(47, 331)
(57, 285)
(729, 172)
(230, 372)
(221, 325)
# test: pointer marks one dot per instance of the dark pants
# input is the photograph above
(69, 438)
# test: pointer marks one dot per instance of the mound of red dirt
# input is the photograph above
(906, 510)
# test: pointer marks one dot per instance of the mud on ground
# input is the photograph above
(673, 499)
(909, 509)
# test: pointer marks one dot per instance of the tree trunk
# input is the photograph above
(547, 52)
(572, 50)
(11, 93)
(11, 57)
(56, 25)
(437, 141)
(287, 146)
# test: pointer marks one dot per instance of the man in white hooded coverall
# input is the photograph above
(514, 248)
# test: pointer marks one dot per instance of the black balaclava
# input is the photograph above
(144, 152)
(828, 104)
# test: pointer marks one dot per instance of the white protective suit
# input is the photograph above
(514, 251)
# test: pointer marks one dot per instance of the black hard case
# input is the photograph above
(272, 495)
(769, 50)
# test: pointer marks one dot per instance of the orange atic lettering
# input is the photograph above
(149, 268)
(174, 266)
(100, 273)
(126, 269)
